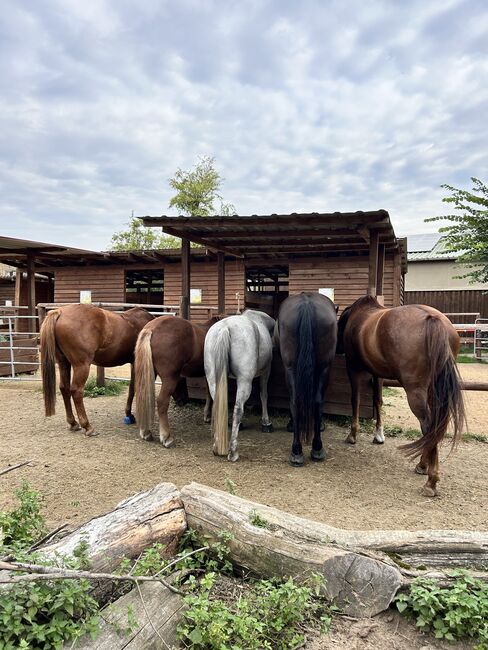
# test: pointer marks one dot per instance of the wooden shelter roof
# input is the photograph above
(276, 236)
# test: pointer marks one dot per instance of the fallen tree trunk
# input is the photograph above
(363, 569)
(157, 612)
(136, 523)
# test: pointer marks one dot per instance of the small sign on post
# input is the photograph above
(329, 292)
(85, 297)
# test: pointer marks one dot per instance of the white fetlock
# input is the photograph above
(145, 435)
(379, 436)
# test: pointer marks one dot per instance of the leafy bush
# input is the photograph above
(269, 616)
(43, 615)
(111, 387)
(22, 526)
(454, 612)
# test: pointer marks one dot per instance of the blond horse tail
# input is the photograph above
(220, 411)
(48, 361)
(144, 380)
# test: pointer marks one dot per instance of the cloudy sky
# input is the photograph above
(305, 104)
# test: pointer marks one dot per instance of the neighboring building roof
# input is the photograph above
(429, 247)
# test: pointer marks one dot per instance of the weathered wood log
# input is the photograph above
(284, 545)
(136, 523)
(158, 615)
(362, 567)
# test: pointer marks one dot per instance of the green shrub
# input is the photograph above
(454, 612)
(271, 615)
(111, 387)
(22, 526)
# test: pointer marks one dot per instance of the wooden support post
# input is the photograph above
(31, 284)
(100, 376)
(373, 263)
(381, 269)
(185, 279)
(397, 280)
(221, 282)
(18, 283)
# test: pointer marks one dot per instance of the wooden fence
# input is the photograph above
(462, 301)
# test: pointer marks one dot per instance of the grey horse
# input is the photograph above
(242, 347)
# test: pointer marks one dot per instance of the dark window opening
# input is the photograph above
(145, 287)
(266, 288)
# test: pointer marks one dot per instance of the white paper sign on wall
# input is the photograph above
(329, 292)
(85, 297)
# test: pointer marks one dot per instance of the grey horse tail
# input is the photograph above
(305, 382)
(221, 406)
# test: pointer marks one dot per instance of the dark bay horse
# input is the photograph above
(307, 334)
(76, 336)
(416, 345)
(172, 348)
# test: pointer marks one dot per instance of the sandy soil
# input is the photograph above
(362, 487)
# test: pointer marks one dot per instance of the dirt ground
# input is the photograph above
(364, 486)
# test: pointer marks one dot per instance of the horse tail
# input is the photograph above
(305, 382)
(444, 397)
(48, 361)
(220, 411)
(144, 380)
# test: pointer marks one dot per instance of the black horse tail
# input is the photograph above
(305, 379)
(444, 396)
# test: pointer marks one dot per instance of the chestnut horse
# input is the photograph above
(76, 336)
(416, 345)
(307, 334)
(172, 348)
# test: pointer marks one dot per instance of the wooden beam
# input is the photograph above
(373, 263)
(185, 278)
(380, 270)
(31, 284)
(199, 240)
(221, 282)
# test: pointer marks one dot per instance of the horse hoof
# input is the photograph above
(145, 435)
(419, 469)
(169, 443)
(350, 440)
(91, 434)
(267, 428)
(289, 426)
(296, 460)
(427, 491)
(319, 455)
(207, 420)
(377, 441)
(75, 427)
(233, 456)
(129, 419)
(379, 436)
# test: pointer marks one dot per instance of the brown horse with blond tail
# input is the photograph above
(75, 336)
(172, 348)
(416, 345)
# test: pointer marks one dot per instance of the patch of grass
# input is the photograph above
(454, 612)
(22, 526)
(230, 486)
(388, 391)
(478, 437)
(466, 358)
(393, 431)
(111, 387)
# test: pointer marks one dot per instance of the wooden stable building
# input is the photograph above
(254, 261)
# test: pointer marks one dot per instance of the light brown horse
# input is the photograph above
(76, 336)
(416, 345)
(172, 348)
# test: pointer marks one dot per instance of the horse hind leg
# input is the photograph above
(318, 452)
(244, 387)
(168, 386)
(355, 379)
(80, 375)
(64, 387)
(379, 435)
(429, 460)
(266, 425)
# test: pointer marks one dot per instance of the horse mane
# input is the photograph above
(364, 302)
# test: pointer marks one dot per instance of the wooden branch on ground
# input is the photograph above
(11, 468)
(363, 569)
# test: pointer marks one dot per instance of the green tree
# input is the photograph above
(468, 229)
(197, 190)
(138, 237)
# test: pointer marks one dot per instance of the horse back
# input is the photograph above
(177, 346)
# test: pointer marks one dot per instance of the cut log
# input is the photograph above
(360, 584)
(163, 608)
(155, 516)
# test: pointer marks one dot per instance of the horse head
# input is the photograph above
(137, 316)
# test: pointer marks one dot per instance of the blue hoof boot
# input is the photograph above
(129, 419)
(267, 428)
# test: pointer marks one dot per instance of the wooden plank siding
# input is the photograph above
(448, 302)
(348, 276)
(107, 284)
(204, 277)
